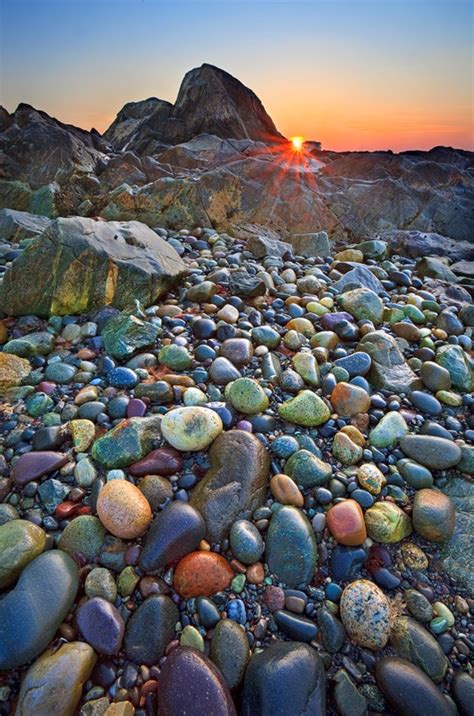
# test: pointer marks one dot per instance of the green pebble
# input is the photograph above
(438, 625)
(238, 583)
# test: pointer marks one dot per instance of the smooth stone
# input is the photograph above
(435, 377)
(163, 461)
(456, 362)
(345, 521)
(191, 428)
(306, 409)
(349, 701)
(331, 630)
(84, 535)
(31, 612)
(295, 626)
(123, 509)
(33, 465)
(413, 642)
(101, 625)
(13, 370)
(433, 515)
(285, 491)
(247, 396)
(456, 554)
(191, 637)
(306, 365)
(246, 542)
(206, 691)
(239, 351)
(129, 441)
(286, 678)
(418, 605)
(370, 478)
(291, 550)
(202, 574)
(416, 475)
(85, 473)
(345, 450)
(54, 683)
(463, 692)
(150, 629)
(175, 357)
(363, 304)
(222, 371)
(408, 689)
(230, 651)
(348, 400)
(346, 562)
(355, 364)
(20, 542)
(425, 402)
(387, 523)
(365, 613)
(235, 485)
(388, 431)
(431, 451)
(100, 583)
(156, 489)
(307, 470)
(175, 531)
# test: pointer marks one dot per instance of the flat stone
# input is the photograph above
(286, 678)
(206, 691)
(456, 554)
(235, 485)
(150, 629)
(175, 531)
(124, 334)
(33, 465)
(31, 612)
(53, 684)
(291, 550)
(363, 304)
(431, 451)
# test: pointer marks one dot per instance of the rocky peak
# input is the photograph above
(210, 101)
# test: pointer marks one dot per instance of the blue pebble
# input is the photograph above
(236, 611)
(122, 378)
(284, 446)
(386, 579)
(346, 562)
(364, 498)
(333, 592)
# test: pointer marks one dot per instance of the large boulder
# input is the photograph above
(17, 225)
(81, 264)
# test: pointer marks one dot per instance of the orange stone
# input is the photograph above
(256, 573)
(123, 509)
(348, 400)
(285, 490)
(345, 521)
(201, 574)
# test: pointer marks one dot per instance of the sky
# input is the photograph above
(353, 74)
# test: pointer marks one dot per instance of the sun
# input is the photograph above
(297, 143)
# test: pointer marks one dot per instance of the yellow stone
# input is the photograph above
(350, 255)
(89, 392)
(83, 434)
(301, 325)
(120, 708)
(371, 478)
(413, 556)
(12, 370)
(354, 434)
(3, 333)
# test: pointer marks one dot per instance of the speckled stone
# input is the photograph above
(191, 428)
(230, 651)
(202, 574)
(20, 542)
(306, 409)
(413, 642)
(150, 629)
(365, 613)
(123, 509)
(434, 516)
(387, 523)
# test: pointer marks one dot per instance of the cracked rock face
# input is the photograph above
(80, 264)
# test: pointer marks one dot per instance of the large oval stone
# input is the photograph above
(189, 683)
(20, 542)
(32, 611)
(191, 428)
(150, 629)
(174, 532)
(53, 685)
(291, 550)
(409, 690)
(365, 613)
(235, 485)
(431, 451)
(101, 625)
(286, 678)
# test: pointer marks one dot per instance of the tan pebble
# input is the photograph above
(123, 509)
(255, 573)
(285, 491)
(354, 434)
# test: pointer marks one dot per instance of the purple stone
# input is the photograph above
(33, 465)
(245, 425)
(329, 320)
(136, 408)
(101, 625)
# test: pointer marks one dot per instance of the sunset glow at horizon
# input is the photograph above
(297, 143)
(351, 74)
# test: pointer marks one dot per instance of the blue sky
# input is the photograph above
(354, 74)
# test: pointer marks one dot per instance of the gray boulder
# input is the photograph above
(81, 264)
(18, 225)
